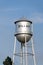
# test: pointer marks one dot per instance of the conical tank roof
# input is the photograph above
(22, 19)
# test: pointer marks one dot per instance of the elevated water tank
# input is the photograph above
(22, 30)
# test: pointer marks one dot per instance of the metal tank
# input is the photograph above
(22, 30)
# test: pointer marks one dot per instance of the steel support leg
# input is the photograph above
(14, 49)
(33, 51)
(32, 41)
(21, 55)
(26, 51)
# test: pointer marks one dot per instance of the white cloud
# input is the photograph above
(37, 18)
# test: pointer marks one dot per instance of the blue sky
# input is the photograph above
(11, 10)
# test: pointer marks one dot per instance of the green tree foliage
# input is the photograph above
(7, 61)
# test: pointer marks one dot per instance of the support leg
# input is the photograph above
(21, 55)
(14, 50)
(33, 51)
(26, 51)
(33, 47)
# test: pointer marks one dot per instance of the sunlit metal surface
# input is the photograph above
(23, 28)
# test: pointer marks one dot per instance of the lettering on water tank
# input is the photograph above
(23, 26)
(27, 26)
(20, 25)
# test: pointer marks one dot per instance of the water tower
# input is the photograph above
(23, 34)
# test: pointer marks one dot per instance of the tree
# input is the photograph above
(7, 61)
